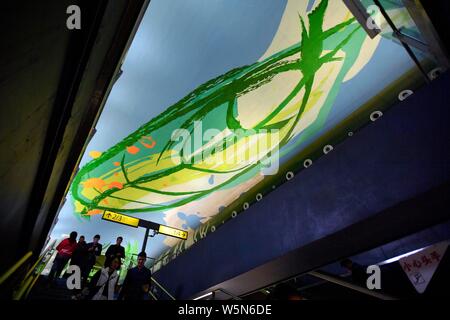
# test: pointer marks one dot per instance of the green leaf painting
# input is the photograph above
(148, 172)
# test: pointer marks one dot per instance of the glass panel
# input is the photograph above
(401, 18)
(399, 15)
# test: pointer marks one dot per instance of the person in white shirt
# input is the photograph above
(104, 282)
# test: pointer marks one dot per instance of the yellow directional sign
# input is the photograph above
(135, 222)
(169, 231)
(120, 218)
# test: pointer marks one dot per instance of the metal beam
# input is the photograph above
(425, 26)
(396, 32)
(413, 42)
(391, 224)
(361, 15)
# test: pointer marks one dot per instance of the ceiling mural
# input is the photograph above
(253, 100)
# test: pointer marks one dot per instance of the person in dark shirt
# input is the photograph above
(80, 256)
(137, 282)
(94, 249)
(115, 250)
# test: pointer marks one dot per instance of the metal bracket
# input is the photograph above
(361, 15)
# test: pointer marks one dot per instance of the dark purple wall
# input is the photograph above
(403, 154)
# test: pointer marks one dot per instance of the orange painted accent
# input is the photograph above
(105, 201)
(133, 149)
(117, 163)
(152, 142)
(94, 183)
(115, 184)
(94, 212)
(95, 154)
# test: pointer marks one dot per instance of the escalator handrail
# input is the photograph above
(339, 281)
(153, 296)
(5, 276)
(155, 281)
(30, 278)
(162, 288)
(41, 257)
